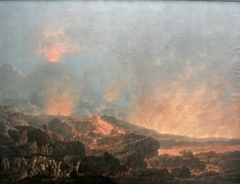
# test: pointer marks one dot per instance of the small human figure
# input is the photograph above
(51, 151)
(8, 164)
(33, 163)
(43, 168)
(14, 164)
(4, 165)
(55, 168)
(59, 167)
(69, 174)
(47, 147)
(18, 164)
(48, 167)
(82, 167)
(23, 162)
(43, 150)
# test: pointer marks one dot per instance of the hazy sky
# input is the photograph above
(175, 65)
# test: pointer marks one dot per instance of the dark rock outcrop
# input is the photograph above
(151, 174)
(40, 136)
(30, 148)
(132, 149)
(162, 161)
(182, 172)
(105, 164)
(20, 137)
(65, 129)
(62, 149)
(17, 119)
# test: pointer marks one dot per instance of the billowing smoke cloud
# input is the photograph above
(53, 45)
(202, 108)
(61, 99)
(171, 67)
(60, 106)
(114, 91)
(53, 41)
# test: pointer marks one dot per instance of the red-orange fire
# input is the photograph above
(53, 55)
(53, 44)
(59, 106)
(201, 111)
(101, 127)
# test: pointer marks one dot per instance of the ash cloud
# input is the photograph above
(185, 60)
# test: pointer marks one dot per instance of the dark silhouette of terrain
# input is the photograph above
(68, 149)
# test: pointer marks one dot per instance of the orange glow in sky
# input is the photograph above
(199, 112)
(114, 91)
(53, 55)
(54, 44)
(60, 106)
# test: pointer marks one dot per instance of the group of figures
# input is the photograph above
(14, 165)
(46, 149)
(41, 166)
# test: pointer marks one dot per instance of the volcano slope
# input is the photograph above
(99, 150)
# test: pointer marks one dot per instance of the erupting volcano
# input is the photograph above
(119, 93)
(53, 55)
(54, 44)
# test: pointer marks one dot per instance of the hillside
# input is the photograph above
(51, 89)
(101, 149)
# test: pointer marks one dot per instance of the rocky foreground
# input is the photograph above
(58, 149)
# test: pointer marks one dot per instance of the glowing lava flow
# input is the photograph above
(101, 127)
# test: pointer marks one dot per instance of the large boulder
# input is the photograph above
(73, 159)
(62, 149)
(151, 174)
(40, 136)
(4, 132)
(14, 133)
(30, 148)
(105, 164)
(6, 152)
(57, 137)
(162, 161)
(23, 137)
(182, 172)
(17, 151)
(20, 137)
(132, 149)
(65, 129)
(17, 119)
